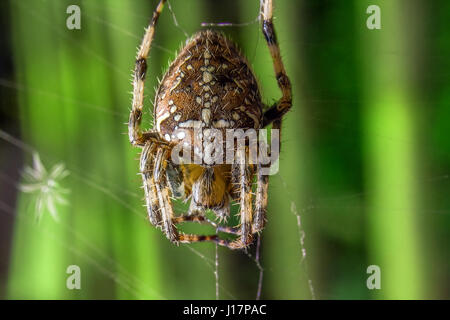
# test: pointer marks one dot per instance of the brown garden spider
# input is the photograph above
(209, 85)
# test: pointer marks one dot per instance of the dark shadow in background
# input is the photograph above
(11, 157)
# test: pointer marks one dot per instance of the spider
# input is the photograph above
(210, 84)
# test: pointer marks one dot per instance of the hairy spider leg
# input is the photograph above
(146, 169)
(242, 176)
(202, 219)
(162, 191)
(262, 188)
(276, 112)
(137, 138)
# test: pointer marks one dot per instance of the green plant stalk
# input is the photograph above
(393, 194)
(136, 244)
(39, 252)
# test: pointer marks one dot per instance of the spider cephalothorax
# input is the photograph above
(209, 86)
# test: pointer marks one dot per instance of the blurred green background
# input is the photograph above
(364, 172)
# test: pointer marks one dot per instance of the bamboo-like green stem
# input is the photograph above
(389, 124)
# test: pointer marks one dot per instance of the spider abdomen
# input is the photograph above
(209, 85)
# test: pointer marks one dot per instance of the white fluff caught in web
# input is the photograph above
(45, 186)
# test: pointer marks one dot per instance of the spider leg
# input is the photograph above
(275, 113)
(244, 185)
(135, 134)
(284, 104)
(203, 219)
(162, 191)
(190, 238)
(146, 169)
(262, 187)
